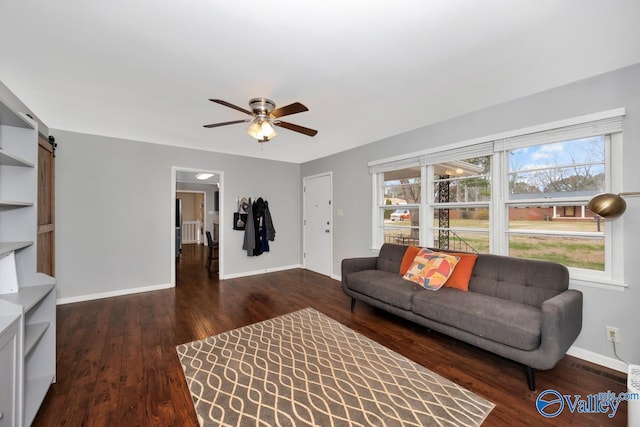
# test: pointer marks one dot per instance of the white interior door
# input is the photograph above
(318, 229)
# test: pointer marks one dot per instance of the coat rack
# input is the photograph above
(255, 219)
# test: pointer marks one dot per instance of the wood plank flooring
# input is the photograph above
(117, 364)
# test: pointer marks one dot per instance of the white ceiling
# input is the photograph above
(367, 69)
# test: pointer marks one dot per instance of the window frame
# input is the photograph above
(608, 123)
(575, 272)
(433, 205)
(380, 226)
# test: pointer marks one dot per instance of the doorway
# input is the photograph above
(317, 223)
(196, 208)
(192, 208)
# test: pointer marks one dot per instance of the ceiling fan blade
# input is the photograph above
(294, 108)
(296, 128)
(227, 104)
(215, 125)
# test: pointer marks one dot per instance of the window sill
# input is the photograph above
(611, 285)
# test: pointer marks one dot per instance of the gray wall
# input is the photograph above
(621, 88)
(114, 203)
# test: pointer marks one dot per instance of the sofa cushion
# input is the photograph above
(390, 257)
(521, 280)
(507, 322)
(384, 286)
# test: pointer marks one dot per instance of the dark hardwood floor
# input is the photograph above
(117, 364)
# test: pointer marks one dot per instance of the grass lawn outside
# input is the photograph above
(578, 252)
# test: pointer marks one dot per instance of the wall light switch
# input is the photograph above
(340, 212)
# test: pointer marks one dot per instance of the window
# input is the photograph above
(461, 204)
(546, 182)
(399, 206)
(524, 195)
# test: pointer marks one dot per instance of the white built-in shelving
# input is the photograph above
(6, 247)
(27, 298)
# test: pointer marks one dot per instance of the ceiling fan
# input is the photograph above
(264, 116)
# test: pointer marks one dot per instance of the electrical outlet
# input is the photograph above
(613, 334)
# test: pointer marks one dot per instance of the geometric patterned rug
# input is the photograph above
(305, 368)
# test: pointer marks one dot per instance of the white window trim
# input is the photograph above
(378, 208)
(431, 230)
(605, 122)
(465, 144)
(376, 189)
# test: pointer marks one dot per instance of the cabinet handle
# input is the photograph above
(1, 415)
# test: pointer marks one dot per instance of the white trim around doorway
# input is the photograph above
(172, 222)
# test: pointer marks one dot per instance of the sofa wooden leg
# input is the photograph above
(531, 378)
(353, 303)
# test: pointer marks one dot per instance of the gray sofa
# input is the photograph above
(517, 308)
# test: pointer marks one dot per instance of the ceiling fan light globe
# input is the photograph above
(261, 130)
(267, 130)
(254, 129)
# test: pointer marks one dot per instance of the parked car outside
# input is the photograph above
(400, 215)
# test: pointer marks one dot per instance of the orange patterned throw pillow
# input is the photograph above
(462, 274)
(431, 270)
(407, 259)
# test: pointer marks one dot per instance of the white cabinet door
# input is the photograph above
(10, 365)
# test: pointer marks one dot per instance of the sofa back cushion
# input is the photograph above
(521, 280)
(390, 257)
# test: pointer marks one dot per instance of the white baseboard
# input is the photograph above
(120, 292)
(256, 272)
(598, 359)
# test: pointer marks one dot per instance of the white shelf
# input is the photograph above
(28, 296)
(9, 159)
(33, 334)
(12, 204)
(41, 279)
(6, 320)
(6, 247)
(8, 117)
